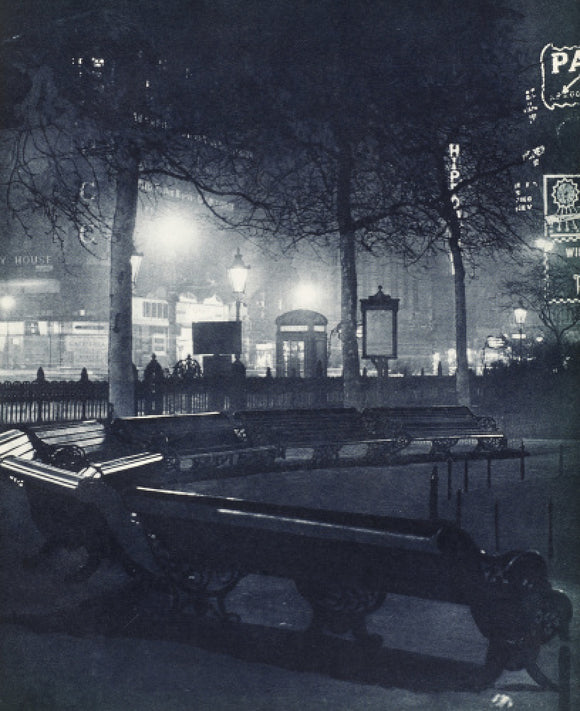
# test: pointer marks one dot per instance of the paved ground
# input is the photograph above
(87, 646)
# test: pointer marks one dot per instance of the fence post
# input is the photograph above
(522, 461)
(466, 475)
(550, 529)
(458, 508)
(489, 472)
(561, 461)
(434, 494)
(564, 678)
(496, 524)
(449, 478)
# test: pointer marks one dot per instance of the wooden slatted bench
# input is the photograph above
(196, 445)
(443, 427)
(75, 445)
(344, 564)
(325, 431)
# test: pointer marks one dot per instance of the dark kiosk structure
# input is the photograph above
(301, 344)
(379, 328)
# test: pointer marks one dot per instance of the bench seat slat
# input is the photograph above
(15, 443)
(43, 472)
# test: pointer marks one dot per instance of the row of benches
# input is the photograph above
(343, 564)
(208, 444)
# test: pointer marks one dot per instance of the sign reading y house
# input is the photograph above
(560, 76)
(562, 230)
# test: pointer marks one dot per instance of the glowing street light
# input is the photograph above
(136, 259)
(238, 277)
(520, 315)
(7, 303)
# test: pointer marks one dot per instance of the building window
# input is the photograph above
(31, 328)
(155, 309)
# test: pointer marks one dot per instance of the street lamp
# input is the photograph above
(520, 314)
(136, 259)
(238, 276)
(7, 303)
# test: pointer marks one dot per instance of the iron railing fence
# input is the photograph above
(540, 404)
(42, 400)
(52, 401)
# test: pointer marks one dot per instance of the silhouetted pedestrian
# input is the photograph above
(153, 380)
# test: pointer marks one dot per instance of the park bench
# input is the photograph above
(324, 431)
(76, 445)
(441, 426)
(195, 445)
(344, 564)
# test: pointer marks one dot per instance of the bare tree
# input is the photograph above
(107, 96)
(363, 133)
(540, 291)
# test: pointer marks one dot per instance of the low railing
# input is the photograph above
(538, 404)
(52, 401)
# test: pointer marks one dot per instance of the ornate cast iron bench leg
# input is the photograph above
(203, 588)
(341, 609)
(325, 455)
(518, 615)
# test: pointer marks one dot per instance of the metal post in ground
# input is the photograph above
(564, 678)
(449, 478)
(496, 524)
(522, 461)
(466, 475)
(550, 529)
(489, 472)
(458, 508)
(434, 494)
(561, 461)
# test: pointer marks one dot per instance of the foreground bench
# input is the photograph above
(325, 431)
(195, 445)
(443, 427)
(344, 564)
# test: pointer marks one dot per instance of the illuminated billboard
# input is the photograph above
(562, 232)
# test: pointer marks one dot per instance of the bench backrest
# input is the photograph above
(90, 435)
(418, 557)
(313, 426)
(15, 443)
(425, 421)
(198, 432)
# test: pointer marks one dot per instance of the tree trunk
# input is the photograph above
(350, 358)
(462, 372)
(121, 382)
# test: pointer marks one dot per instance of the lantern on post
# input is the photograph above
(238, 276)
(379, 330)
(136, 259)
(520, 314)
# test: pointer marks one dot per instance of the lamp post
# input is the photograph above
(520, 314)
(136, 259)
(7, 303)
(238, 276)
